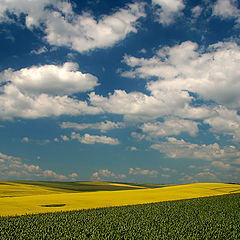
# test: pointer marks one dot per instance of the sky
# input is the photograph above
(129, 91)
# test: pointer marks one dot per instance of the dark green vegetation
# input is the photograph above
(201, 218)
(53, 205)
(87, 186)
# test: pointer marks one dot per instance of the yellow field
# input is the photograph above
(111, 184)
(30, 199)
(9, 189)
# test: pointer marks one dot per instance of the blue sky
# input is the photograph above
(130, 91)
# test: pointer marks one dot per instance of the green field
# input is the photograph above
(201, 218)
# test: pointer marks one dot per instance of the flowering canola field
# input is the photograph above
(20, 199)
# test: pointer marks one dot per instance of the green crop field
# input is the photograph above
(201, 218)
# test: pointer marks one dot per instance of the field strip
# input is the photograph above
(11, 189)
(114, 184)
(76, 201)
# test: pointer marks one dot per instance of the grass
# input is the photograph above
(201, 218)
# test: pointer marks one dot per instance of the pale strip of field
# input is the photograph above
(75, 201)
(112, 184)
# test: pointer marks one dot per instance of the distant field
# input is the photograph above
(28, 188)
(201, 218)
(18, 198)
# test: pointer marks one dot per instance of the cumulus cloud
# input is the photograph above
(102, 174)
(102, 126)
(211, 73)
(25, 139)
(225, 122)
(73, 175)
(167, 10)
(174, 148)
(63, 27)
(52, 174)
(36, 141)
(83, 32)
(227, 9)
(65, 138)
(165, 175)
(15, 104)
(44, 91)
(221, 165)
(133, 149)
(34, 10)
(13, 168)
(172, 126)
(204, 175)
(92, 139)
(50, 79)
(137, 106)
(166, 169)
(139, 171)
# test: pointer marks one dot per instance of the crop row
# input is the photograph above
(200, 218)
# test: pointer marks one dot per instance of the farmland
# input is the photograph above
(200, 218)
(19, 198)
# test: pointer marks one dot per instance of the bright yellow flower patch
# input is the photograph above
(20, 205)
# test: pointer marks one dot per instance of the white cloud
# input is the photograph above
(84, 33)
(50, 79)
(36, 141)
(96, 177)
(138, 136)
(25, 139)
(168, 11)
(52, 174)
(43, 91)
(166, 169)
(212, 73)
(13, 168)
(174, 148)
(73, 175)
(196, 11)
(106, 174)
(102, 126)
(165, 175)
(136, 106)
(227, 9)
(133, 149)
(63, 27)
(172, 126)
(139, 171)
(226, 122)
(220, 172)
(143, 51)
(207, 175)
(92, 139)
(39, 51)
(31, 168)
(34, 10)
(65, 138)
(221, 165)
